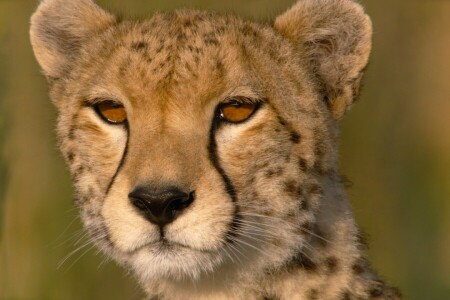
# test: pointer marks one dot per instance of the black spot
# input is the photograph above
(122, 70)
(303, 164)
(282, 121)
(220, 29)
(197, 59)
(293, 189)
(306, 228)
(148, 59)
(290, 186)
(270, 297)
(219, 68)
(90, 191)
(264, 165)
(181, 37)
(303, 262)
(246, 30)
(210, 39)
(331, 264)
(295, 137)
(139, 46)
(213, 42)
(187, 23)
(269, 173)
(345, 295)
(313, 294)
(71, 134)
(358, 267)
(377, 290)
(70, 157)
(362, 238)
(160, 48)
(319, 169)
(80, 200)
(79, 171)
(319, 149)
(273, 172)
(304, 204)
(145, 31)
(315, 189)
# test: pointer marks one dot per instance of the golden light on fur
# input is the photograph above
(111, 111)
(270, 218)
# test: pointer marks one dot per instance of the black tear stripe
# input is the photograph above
(122, 160)
(231, 191)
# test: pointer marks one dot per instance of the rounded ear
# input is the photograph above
(58, 29)
(334, 39)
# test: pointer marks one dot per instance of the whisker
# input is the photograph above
(90, 242)
(79, 257)
(72, 253)
(251, 246)
(75, 235)
(64, 232)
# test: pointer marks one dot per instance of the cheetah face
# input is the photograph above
(197, 143)
(182, 163)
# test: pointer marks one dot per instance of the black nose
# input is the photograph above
(160, 206)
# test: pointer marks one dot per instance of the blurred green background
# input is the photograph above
(395, 148)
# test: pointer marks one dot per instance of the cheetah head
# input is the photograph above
(199, 143)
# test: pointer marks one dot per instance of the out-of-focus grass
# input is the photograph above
(3, 129)
(395, 148)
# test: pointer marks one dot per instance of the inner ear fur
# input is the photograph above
(334, 39)
(58, 29)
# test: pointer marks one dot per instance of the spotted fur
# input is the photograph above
(270, 218)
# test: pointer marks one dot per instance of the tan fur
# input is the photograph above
(270, 218)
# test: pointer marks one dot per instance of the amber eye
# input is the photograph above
(111, 111)
(237, 111)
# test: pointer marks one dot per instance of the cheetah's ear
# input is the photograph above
(59, 27)
(334, 37)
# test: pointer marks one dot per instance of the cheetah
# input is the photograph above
(203, 147)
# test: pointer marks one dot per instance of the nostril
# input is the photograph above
(139, 203)
(181, 203)
(160, 206)
(176, 204)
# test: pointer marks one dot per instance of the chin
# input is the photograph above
(172, 261)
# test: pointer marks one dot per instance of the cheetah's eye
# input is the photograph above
(236, 111)
(111, 111)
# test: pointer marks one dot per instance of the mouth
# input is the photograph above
(163, 246)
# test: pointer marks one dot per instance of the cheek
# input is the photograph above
(264, 166)
(97, 148)
(255, 157)
(127, 229)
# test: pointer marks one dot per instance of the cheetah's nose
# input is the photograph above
(160, 206)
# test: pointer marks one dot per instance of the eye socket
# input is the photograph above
(111, 111)
(237, 110)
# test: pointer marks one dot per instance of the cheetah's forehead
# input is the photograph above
(188, 56)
